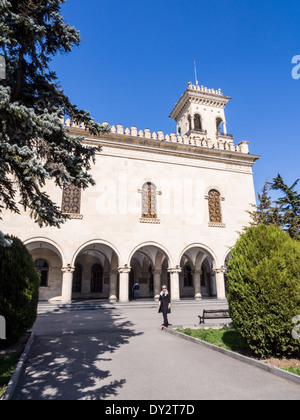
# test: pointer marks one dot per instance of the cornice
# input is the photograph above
(198, 97)
(125, 142)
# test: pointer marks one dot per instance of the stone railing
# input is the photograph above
(220, 144)
(205, 89)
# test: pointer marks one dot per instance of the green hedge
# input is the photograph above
(19, 284)
(264, 290)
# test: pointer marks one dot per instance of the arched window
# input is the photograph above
(42, 268)
(219, 126)
(77, 278)
(197, 123)
(96, 278)
(214, 205)
(149, 201)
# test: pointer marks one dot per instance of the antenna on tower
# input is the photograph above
(196, 72)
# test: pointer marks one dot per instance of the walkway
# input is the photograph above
(118, 352)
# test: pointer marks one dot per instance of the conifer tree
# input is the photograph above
(35, 145)
(289, 206)
(263, 283)
(265, 212)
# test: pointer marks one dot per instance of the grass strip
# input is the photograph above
(227, 338)
(8, 365)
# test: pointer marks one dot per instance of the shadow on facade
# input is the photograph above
(70, 358)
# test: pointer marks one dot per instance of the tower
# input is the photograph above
(200, 114)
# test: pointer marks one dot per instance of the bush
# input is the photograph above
(19, 283)
(264, 290)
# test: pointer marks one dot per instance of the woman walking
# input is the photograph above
(164, 305)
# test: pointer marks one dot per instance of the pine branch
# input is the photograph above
(35, 146)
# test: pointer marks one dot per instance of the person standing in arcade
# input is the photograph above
(164, 305)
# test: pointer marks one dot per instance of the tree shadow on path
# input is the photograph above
(69, 353)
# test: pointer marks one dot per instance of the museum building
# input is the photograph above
(166, 209)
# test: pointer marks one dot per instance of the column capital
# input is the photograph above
(157, 272)
(124, 270)
(177, 270)
(196, 271)
(219, 270)
(68, 269)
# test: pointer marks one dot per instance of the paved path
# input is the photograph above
(120, 353)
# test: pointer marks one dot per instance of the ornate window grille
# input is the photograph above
(71, 200)
(214, 206)
(149, 201)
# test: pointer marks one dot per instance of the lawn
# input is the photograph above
(227, 338)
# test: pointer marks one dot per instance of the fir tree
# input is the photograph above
(265, 212)
(35, 146)
(289, 206)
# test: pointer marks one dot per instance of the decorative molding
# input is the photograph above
(217, 225)
(124, 270)
(148, 220)
(68, 269)
(176, 270)
(74, 216)
(219, 270)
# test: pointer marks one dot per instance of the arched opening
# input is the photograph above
(149, 268)
(49, 261)
(197, 279)
(197, 123)
(219, 126)
(96, 272)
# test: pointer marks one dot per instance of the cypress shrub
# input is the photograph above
(264, 290)
(19, 284)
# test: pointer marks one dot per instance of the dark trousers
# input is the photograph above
(165, 315)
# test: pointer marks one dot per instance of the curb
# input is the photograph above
(17, 373)
(271, 369)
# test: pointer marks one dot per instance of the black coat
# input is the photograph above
(165, 301)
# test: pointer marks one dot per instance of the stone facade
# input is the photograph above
(165, 209)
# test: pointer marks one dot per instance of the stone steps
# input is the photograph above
(44, 307)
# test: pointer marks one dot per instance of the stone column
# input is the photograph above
(113, 281)
(175, 291)
(67, 283)
(220, 282)
(124, 283)
(192, 122)
(197, 284)
(157, 283)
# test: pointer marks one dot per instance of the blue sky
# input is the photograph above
(136, 58)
